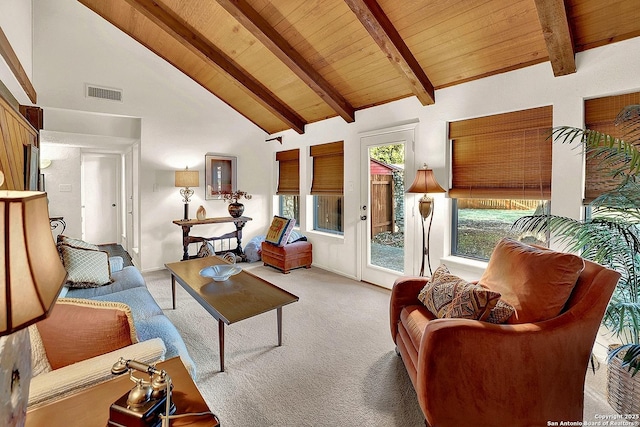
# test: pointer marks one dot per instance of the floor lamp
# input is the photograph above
(187, 178)
(425, 182)
(31, 276)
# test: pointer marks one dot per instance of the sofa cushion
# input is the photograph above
(537, 282)
(142, 304)
(74, 322)
(279, 231)
(447, 295)
(85, 267)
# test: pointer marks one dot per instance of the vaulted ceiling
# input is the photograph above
(286, 63)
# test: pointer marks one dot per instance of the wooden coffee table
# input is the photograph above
(240, 297)
(90, 407)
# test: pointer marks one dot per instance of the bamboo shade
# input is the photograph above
(505, 156)
(328, 169)
(600, 114)
(288, 172)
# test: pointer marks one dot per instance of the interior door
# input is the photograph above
(100, 197)
(386, 242)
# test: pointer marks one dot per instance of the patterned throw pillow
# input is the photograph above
(76, 243)
(446, 295)
(279, 231)
(206, 249)
(86, 268)
(501, 312)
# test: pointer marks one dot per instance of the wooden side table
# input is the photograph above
(186, 225)
(90, 407)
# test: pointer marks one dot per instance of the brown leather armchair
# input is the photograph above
(474, 373)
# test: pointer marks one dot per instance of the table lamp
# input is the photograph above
(425, 182)
(187, 178)
(31, 275)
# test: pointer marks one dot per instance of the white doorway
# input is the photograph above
(101, 211)
(386, 232)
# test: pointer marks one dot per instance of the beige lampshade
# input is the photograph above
(425, 182)
(187, 178)
(31, 273)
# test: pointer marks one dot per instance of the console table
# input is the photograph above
(186, 225)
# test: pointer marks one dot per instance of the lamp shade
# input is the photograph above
(31, 273)
(187, 178)
(425, 182)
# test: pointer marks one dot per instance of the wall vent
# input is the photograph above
(93, 91)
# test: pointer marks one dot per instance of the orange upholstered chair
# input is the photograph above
(474, 373)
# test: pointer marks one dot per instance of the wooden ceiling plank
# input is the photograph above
(273, 41)
(386, 36)
(192, 40)
(9, 55)
(557, 35)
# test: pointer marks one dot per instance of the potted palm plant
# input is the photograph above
(611, 237)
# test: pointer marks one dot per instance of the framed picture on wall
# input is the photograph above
(220, 175)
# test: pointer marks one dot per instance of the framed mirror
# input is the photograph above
(220, 175)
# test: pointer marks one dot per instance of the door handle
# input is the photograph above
(113, 205)
(363, 217)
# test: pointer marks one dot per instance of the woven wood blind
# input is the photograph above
(600, 115)
(328, 169)
(288, 172)
(505, 156)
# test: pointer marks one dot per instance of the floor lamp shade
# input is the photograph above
(31, 273)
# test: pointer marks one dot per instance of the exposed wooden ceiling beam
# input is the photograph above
(557, 34)
(387, 37)
(272, 40)
(195, 42)
(9, 55)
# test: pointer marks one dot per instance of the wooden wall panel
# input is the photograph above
(15, 134)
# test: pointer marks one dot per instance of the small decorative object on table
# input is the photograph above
(201, 213)
(235, 209)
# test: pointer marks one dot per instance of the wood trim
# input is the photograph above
(161, 15)
(13, 62)
(273, 41)
(391, 43)
(557, 35)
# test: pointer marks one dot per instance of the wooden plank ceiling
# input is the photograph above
(286, 63)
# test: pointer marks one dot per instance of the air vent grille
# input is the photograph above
(103, 93)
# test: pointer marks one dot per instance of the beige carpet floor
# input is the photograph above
(337, 366)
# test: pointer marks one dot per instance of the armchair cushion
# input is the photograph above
(537, 282)
(79, 329)
(446, 295)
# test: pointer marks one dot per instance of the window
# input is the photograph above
(600, 115)
(289, 184)
(327, 187)
(501, 171)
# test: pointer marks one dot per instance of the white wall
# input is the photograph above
(65, 171)
(180, 122)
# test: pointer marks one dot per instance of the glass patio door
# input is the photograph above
(384, 254)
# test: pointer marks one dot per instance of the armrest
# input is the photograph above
(404, 292)
(71, 379)
(472, 370)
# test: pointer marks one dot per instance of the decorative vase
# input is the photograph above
(236, 209)
(201, 213)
